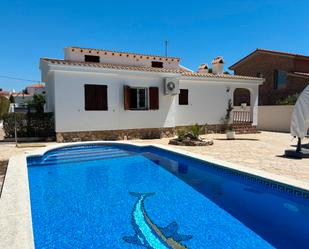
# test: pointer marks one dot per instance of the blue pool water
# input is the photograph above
(121, 196)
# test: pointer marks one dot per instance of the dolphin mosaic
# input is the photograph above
(148, 234)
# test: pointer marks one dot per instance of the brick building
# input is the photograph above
(285, 74)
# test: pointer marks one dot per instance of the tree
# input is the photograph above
(38, 103)
(4, 106)
(12, 100)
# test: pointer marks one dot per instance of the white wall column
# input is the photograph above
(254, 104)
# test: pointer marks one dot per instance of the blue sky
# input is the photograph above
(197, 30)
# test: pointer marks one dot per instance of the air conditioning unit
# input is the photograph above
(171, 86)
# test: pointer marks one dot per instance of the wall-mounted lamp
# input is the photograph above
(227, 89)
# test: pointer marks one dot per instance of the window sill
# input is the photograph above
(138, 110)
(105, 110)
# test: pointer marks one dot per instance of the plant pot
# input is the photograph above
(230, 135)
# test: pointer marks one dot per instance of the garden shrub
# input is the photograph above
(38, 103)
(29, 125)
(289, 100)
(4, 106)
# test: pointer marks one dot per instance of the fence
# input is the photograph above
(242, 117)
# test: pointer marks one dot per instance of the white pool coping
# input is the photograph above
(15, 211)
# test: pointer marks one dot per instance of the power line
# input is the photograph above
(13, 78)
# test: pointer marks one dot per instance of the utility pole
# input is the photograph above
(166, 45)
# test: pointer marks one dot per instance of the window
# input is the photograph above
(158, 64)
(141, 98)
(183, 98)
(92, 58)
(280, 79)
(96, 97)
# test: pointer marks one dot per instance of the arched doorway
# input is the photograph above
(241, 106)
(241, 96)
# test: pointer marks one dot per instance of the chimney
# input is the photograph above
(218, 65)
(203, 68)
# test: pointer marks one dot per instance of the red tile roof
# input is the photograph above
(260, 50)
(39, 85)
(224, 76)
(20, 95)
(147, 69)
(111, 66)
(280, 52)
(4, 93)
(301, 74)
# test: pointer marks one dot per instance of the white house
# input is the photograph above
(101, 94)
(38, 88)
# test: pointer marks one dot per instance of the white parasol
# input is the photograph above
(300, 115)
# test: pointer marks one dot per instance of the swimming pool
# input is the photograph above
(123, 196)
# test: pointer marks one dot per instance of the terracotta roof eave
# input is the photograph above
(146, 69)
(109, 66)
(299, 74)
(221, 76)
(259, 50)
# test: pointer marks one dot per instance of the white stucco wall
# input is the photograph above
(75, 54)
(70, 114)
(208, 98)
(275, 118)
(48, 77)
(207, 103)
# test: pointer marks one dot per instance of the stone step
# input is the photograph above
(244, 128)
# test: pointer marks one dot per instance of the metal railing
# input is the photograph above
(242, 117)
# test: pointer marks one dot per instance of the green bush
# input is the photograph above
(38, 103)
(193, 132)
(227, 118)
(196, 130)
(4, 106)
(181, 133)
(289, 100)
(29, 125)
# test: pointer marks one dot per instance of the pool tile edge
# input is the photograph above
(15, 211)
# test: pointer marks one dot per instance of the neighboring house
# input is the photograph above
(4, 93)
(36, 89)
(101, 94)
(285, 74)
(21, 99)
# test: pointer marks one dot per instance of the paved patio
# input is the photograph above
(256, 151)
(261, 151)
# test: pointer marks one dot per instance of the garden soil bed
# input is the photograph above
(3, 167)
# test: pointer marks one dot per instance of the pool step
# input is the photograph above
(80, 156)
(88, 155)
(81, 153)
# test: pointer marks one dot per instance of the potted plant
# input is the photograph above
(230, 134)
(229, 130)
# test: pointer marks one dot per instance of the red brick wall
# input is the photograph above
(266, 64)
